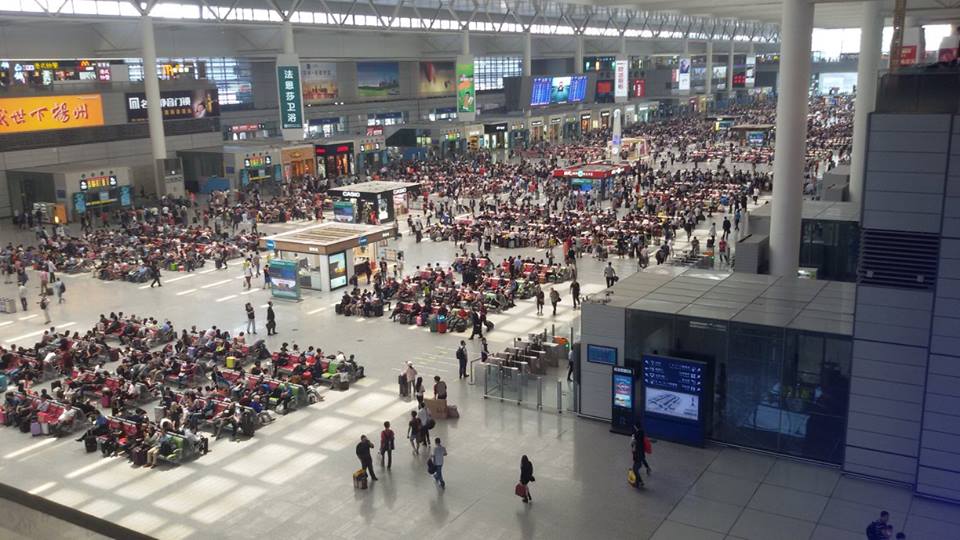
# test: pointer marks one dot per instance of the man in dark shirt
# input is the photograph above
(366, 460)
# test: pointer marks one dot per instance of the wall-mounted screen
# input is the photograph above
(598, 354)
(558, 90)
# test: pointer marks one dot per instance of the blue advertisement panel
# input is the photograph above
(674, 394)
(283, 275)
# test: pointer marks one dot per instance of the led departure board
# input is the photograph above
(558, 90)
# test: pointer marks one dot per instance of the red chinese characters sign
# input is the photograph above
(20, 115)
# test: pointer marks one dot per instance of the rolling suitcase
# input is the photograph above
(36, 429)
(404, 387)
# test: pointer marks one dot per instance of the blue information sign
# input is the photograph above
(674, 391)
(271, 245)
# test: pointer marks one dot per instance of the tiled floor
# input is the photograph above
(293, 479)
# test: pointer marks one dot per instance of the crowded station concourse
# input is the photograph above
(171, 368)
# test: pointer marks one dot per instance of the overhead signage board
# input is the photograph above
(175, 105)
(683, 75)
(620, 80)
(290, 97)
(26, 114)
(675, 392)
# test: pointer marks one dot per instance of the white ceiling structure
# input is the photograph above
(251, 26)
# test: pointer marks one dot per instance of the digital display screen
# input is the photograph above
(673, 387)
(343, 211)
(755, 138)
(599, 354)
(623, 390)
(338, 270)
(558, 90)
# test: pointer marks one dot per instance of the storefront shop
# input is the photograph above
(585, 125)
(372, 150)
(444, 113)
(555, 130)
(606, 120)
(536, 130)
(71, 191)
(386, 119)
(519, 135)
(323, 257)
(243, 132)
(450, 142)
(297, 162)
(323, 128)
(335, 160)
(373, 203)
(571, 128)
(734, 371)
(495, 136)
(474, 137)
(249, 165)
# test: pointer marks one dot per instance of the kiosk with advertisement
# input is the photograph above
(623, 398)
(373, 203)
(324, 257)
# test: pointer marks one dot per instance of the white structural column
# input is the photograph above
(527, 53)
(578, 56)
(733, 47)
(151, 85)
(871, 38)
(709, 82)
(623, 45)
(795, 37)
(465, 46)
(288, 45)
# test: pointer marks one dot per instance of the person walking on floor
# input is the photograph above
(575, 293)
(251, 319)
(462, 359)
(570, 358)
(526, 476)
(267, 284)
(271, 319)
(875, 529)
(45, 307)
(638, 447)
(60, 288)
(22, 290)
(155, 272)
(387, 445)
(413, 432)
(439, 453)
(366, 460)
(554, 300)
(247, 274)
(256, 263)
(610, 274)
(540, 301)
(477, 323)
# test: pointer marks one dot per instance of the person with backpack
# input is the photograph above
(387, 445)
(462, 359)
(363, 453)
